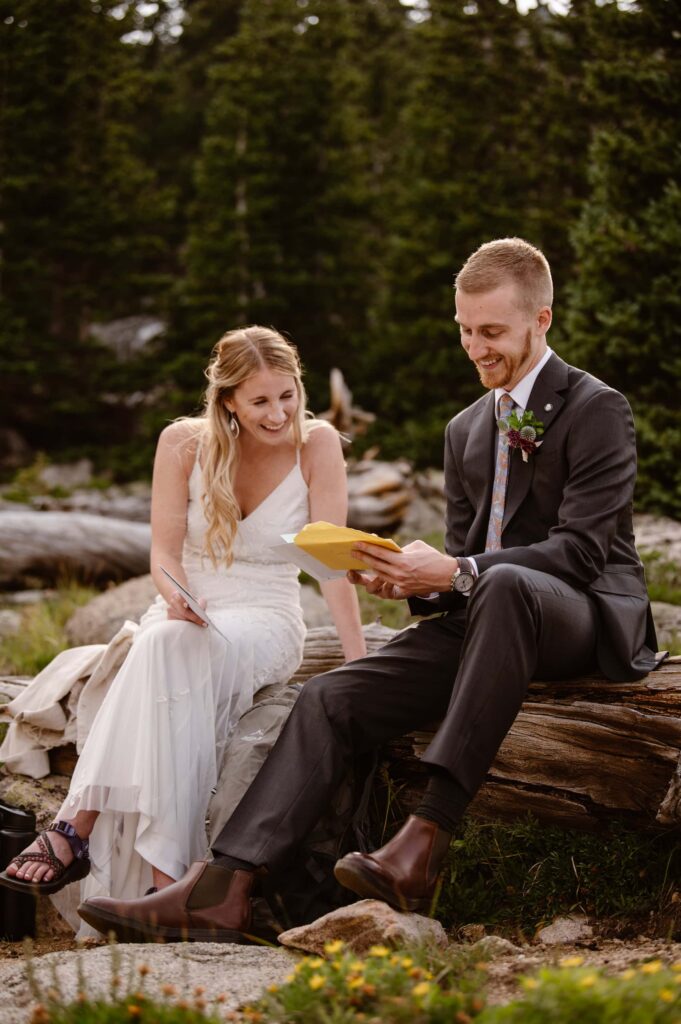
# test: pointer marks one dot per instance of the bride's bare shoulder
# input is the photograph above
(182, 438)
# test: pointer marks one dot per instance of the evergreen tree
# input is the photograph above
(485, 154)
(284, 226)
(81, 219)
(624, 321)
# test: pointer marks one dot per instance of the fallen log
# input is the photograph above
(53, 545)
(581, 753)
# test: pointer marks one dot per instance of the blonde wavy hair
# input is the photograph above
(236, 357)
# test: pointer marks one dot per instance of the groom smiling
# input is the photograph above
(540, 579)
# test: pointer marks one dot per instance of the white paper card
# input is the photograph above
(308, 563)
(194, 604)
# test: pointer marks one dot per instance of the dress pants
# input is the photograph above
(469, 668)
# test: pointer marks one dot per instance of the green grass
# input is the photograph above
(663, 578)
(42, 634)
(516, 877)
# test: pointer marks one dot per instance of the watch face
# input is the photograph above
(463, 583)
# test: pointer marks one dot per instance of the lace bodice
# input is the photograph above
(284, 510)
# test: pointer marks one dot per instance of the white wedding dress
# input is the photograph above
(154, 751)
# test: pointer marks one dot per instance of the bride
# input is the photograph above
(226, 484)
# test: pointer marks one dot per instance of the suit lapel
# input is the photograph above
(545, 402)
(479, 463)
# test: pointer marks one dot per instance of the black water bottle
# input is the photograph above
(17, 910)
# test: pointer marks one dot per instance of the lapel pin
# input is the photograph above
(548, 407)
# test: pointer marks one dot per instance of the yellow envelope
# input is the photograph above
(331, 545)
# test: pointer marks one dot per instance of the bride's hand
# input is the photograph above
(179, 609)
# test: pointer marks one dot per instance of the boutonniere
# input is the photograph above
(522, 432)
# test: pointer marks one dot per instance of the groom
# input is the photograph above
(541, 579)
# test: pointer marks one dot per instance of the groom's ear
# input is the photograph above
(544, 318)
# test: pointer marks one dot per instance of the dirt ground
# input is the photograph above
(505, 967)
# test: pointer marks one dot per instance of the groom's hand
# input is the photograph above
(416, 571)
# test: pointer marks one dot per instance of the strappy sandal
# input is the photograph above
(64, 874)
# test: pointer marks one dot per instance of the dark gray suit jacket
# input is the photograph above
(568, 508)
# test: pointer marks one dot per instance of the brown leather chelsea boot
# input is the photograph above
(404, 872)
(209, 904)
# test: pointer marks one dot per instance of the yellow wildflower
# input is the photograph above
(422, 989)
(315, 982)
(394, 961)
(315, 962)
(676, 966)
(571, 961)
(587, 981)
(289, 978)
(628, 974)
(652, 967)
(407, 961)
(666, 995)
(357, 965)
(333, 947)
(379, 951)
(355, 982)
(273, 988)
(529, 983)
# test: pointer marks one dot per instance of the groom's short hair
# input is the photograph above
(509, 259)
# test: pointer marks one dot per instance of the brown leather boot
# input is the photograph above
(210, 904)
(404, 872)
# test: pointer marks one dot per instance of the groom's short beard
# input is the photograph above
(508, 369)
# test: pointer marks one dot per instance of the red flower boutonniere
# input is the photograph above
(522, 432)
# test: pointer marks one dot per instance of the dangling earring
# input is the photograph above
(233, 425)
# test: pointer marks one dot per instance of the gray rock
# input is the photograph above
(66, 475)
(10, 623)
(667, 623)
(129, 335)
(233, 974)
(27, 596)
(494, 946)
(101, 618)
(659, 533)
(472, 932)
(564, 930)
(363, 924)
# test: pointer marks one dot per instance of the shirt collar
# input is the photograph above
(521, 392)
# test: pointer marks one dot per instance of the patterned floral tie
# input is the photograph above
(496, 512)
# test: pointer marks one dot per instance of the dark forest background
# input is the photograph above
(325, 166)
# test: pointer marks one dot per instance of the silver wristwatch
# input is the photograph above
(464, 577)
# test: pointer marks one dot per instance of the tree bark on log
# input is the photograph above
(53, 545)
(580, 753)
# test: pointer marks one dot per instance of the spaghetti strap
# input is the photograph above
(298, 457)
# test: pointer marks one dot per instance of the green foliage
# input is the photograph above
(326, 166)
(42, 634)
(519, 876)
(650, 994)
(80, 211)
(624, 313)
(388, 986)
(662, 577)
